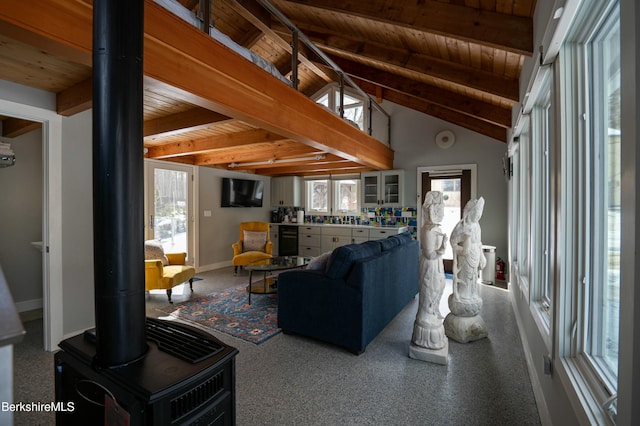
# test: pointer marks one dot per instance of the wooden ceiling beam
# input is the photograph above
(344, 167)
(505, 32)
(182, 122)
(231, 81)
(454, 117)
(473, 107)
(191, 67)
(75, 99)
(402, 59)
(229, 140)
(14, 127)
(257, 152)
(328, 161)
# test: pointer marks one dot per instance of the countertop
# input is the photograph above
(343, 225)
(11, 330)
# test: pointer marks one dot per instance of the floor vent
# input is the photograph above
(180, 341)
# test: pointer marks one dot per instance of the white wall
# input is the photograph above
(21, 220)
(77, 223)
(220, 230)
(413, 140)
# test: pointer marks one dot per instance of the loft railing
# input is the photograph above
(298, 36)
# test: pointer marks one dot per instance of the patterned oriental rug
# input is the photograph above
(229, 312)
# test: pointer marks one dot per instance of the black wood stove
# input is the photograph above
(186, 377)
(132, 370)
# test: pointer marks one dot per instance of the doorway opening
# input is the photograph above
(458, 185)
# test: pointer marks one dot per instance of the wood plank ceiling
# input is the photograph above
(457, 60)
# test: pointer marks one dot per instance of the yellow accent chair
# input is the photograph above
(165, 271)
(254, 244)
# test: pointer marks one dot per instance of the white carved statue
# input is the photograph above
(429, 342)
(464, 323)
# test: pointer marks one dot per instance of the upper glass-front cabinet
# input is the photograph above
(382, 189)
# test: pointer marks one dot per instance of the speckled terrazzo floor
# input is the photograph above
(292, 380)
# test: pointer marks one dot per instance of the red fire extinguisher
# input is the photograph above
(500, 269)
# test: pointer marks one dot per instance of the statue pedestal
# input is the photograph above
(465, 329)
(436, 356)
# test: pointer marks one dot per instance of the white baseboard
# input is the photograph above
(29, 305)
(213, 266)
(543, 410)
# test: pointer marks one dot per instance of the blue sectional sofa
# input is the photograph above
(351, 299)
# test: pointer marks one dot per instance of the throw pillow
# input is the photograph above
(254, 241)
(153, 250)
(319, 263)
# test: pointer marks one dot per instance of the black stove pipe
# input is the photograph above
(118, 181)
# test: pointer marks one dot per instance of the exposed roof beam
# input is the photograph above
(182, 122)
(402, 59)
(462, 120)
(454, 101)
(229, 140)
(501, 31)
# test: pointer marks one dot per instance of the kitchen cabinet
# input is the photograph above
(359, 235)
(286, 191)
(309, 241)
(334, 236)
(382, 189)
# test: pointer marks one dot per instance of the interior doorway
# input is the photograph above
(52, 289)
(457, 184)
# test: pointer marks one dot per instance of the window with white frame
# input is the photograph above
(541, 282)
(591, 201)
(602, 304)
(524, 221)
(347, 196)
(335, 196)
(318, 196)
(353, 104)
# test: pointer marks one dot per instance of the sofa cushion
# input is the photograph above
(342, 258)
(319, 263)
(403, 238)
(254, 240)
(153, 250)
(389, 243)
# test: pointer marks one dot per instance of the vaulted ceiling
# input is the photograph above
(457, 60)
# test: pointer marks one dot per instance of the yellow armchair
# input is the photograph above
(254, 244)
(165, 271)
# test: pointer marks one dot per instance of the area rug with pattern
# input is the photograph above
(228, 311)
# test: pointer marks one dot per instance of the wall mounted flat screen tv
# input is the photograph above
(242, 192)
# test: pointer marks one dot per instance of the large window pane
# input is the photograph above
(171, 209)
(318, 196)
(451, 191)
(604, 303)
(347, 195)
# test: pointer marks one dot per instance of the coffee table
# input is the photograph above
(267, 266)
